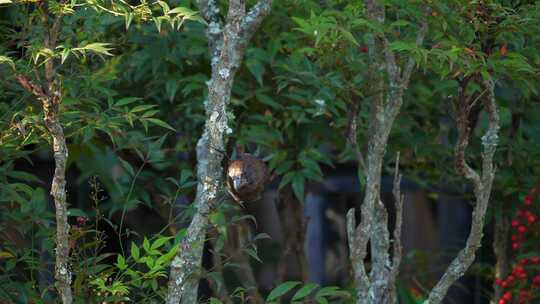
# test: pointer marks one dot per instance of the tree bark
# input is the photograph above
(50, 97)
(481, 184)
(389, 83)
(227, 43)
(293, 224)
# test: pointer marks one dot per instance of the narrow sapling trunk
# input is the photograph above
(49, 94)
(227, 43)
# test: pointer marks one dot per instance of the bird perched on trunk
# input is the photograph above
(247, 177)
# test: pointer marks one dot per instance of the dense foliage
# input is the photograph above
(133, 76)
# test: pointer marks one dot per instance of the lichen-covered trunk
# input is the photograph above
(184, 281)
(58, 191)
(227, 43)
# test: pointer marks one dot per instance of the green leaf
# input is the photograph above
(146, 245)
(135, 252)
(96, 47)
(329, 291)
(164, 6)
(261, 236)
(5, 59)
(160, 123)
(286, 179)
(321, 300)
(140, 108)
(129, 18)
(214, 301)
(160, 242)
(252, 252)
(183, 11)
(267, 100)
(348, 36)
(281, 290)
(304, 291)
(23, 176)
(76, 212)
(168, 256)
(126, 100)
(121, 262)
(127, 166)
(157, 22)
(298, 182)
(65, 55)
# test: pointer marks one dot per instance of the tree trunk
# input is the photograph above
(227, 44)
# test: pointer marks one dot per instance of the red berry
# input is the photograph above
(535, 260)
(518, 269)
(504, 284)
(364, 50)
(515, 223)
(502, 301)
(522, 275)
(499, 282)
(514, 237)
(524, 261)
(528, 200)
(510, 279)
(522, 229)
(507, 296)
(515, 245)
(521, 213)
(537, 279)
(531, 218)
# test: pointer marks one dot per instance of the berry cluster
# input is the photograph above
(525, 277)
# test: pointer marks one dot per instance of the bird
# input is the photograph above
(247, 177)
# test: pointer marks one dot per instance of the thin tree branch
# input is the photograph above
(398, 200)
(352, 133)
(356, 255)
(482, 190)
(253, 19)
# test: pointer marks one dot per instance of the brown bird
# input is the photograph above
(247, 178)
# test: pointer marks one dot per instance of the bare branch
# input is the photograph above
(392, 67)
(253, 19)
(462, 123)
(352, 134)
(31, 87)
(398, 200)
(209, 10)
(482, 192)
(356, 255)
(237, 11)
